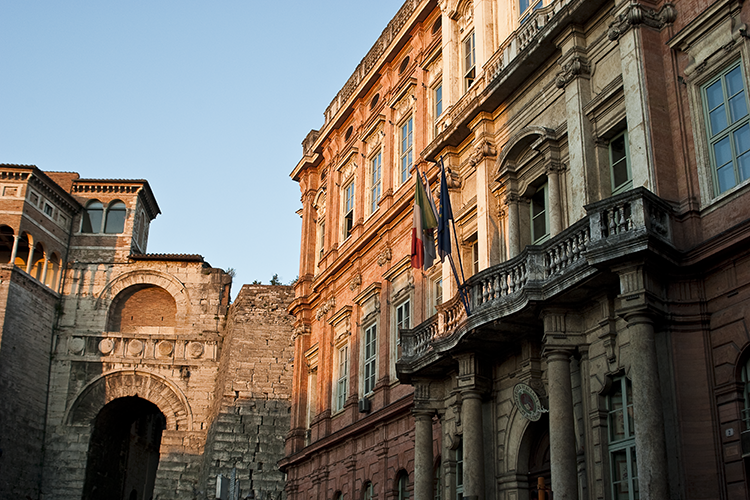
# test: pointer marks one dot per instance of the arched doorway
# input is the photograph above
(533, 458)
(124, 450)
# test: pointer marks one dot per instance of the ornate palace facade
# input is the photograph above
(598, 172)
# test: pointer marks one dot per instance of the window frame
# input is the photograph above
(369, 359)
(624, 445)
(538, 239)
(341, 386)
(627, 184)
(531, 6)
(376, 183)
(115, 206)
(730, 130)
(469, 59)
(348, 209)
(405, 149)
(437, 107)
(86, 216)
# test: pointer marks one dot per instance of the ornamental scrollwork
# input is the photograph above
(636, 14)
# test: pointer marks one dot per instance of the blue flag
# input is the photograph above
(445, 214)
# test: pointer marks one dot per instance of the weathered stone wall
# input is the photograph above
(251, 409)
(174, 367)
(24, 370)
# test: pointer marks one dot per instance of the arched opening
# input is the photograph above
(402, 485)
(92, 217)
(22, 252)
(142, 306)
(533, 456)
(53, 272)
(115, 223)
(6, 244)
(124, 450)
(37, 265)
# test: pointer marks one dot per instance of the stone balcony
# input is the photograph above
(505, 299)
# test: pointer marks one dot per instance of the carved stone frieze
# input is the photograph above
(636, 14)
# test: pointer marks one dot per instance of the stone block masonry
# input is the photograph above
(25, 341)
(251, 410)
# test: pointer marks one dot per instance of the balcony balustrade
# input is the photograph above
(613, 230)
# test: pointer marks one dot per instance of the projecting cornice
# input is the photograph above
(119, 186)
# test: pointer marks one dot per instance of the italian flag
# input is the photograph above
(424, 222)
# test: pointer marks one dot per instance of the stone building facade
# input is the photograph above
(597, 168)
(125, 374)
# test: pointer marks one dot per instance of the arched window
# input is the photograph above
(92, 217)
(367, 491)
(402, 485)
(115, 223)
(6, 244)
(37, 266)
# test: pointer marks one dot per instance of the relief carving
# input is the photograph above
(636, 14)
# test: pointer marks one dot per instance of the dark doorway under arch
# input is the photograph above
(124, 451)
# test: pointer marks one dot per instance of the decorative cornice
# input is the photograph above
(636, 14)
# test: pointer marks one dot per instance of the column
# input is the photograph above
(650, 444)
(43, 277)
(562, 445)
(554, 205)
(14, 252)
(423, 458)
(513, 231)
(471, 416)
(31, 258)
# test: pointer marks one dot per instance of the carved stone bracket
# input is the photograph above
(483, 150)
(325, 307)
(355, 282)
(636, 14)
(385, 256)
(577, 66)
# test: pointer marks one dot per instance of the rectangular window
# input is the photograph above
(622, 455)
(321, 239)
(437, 287)
(539, 225)
(526, 7)
(475, 257)
(728, 128)
(342, 382)
(438, 103)
(619, 163)
(470, 61)
(402, 316)
(348, 209)
(407, 131)
(375, 182)
(370, 358)
(48, 209)
(460, 471)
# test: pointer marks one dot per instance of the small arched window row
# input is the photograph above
(31, 256)
(96, 219)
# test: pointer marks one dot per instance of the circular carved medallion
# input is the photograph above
(135, 347)
(527, 402)
(106, 346)
(76, 345)
(164, 349)
(194, 349)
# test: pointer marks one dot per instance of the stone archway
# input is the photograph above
(146, 277)
(169, 399)
(123, 452)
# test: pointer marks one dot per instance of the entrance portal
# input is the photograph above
(124, 451)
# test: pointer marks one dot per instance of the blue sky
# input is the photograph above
(208, 101)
